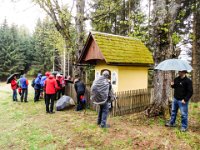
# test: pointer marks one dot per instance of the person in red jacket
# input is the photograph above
(14, 88)
(59, 90)
(50, 87)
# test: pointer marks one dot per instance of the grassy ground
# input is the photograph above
(27, 126)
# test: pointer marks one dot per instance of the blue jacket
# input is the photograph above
(37, 82)
(42, 81)
(23, 83)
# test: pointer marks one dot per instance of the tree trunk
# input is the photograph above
(163, 27)
(80, 5)
(161, 95)
(196, 54)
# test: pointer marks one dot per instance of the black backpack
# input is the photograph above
(33, 83)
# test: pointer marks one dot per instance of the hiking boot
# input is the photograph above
(183, 130)
(105, 126)
(51, 112)
(168, 124)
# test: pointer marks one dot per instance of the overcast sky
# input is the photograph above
(20, 13)
(25, 12)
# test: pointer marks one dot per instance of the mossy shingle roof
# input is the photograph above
(119, 49)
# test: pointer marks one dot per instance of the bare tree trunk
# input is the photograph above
(80, 6)
(164, 12)
(162, 92)
(196, 54)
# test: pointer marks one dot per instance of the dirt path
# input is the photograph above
(5, 87)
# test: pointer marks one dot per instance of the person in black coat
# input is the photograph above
(80, 91)
(182, 93)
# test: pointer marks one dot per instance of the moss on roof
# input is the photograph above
(119, 49)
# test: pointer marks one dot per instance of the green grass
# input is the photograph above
(191, 139)
(27, 126)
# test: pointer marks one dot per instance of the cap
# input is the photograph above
(106, 74)
(185, 71)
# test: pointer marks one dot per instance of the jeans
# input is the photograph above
(184, 112)
(24, 95)
(50, 101)
(15, 95)
(103, 114)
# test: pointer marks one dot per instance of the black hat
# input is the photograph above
(185, 71)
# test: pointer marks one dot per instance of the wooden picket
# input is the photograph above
(131, 101)
(127, 101)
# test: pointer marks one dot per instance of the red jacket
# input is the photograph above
(14, 84)
(50, 85)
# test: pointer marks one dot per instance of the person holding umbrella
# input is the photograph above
(182, 93)
(14, 88)
(183, 90)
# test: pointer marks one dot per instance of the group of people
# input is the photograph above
(22, 85)
(38, 84)
(101, 94)
(50, 87)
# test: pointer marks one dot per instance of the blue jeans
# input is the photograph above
(103, 114)
(15, 95)
(184, 112)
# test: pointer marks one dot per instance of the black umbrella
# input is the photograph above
(54, 73)
(11, 77)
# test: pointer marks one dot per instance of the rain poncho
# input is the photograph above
(64, 102)
(100, 90)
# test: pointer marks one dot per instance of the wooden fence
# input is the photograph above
(127, 101)
(131, 102)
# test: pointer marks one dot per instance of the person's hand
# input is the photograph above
(172, 83)
(183, 101)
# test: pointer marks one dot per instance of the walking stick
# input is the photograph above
(116, 98)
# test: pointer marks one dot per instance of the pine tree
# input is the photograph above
(14, 49)
(46, 40)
